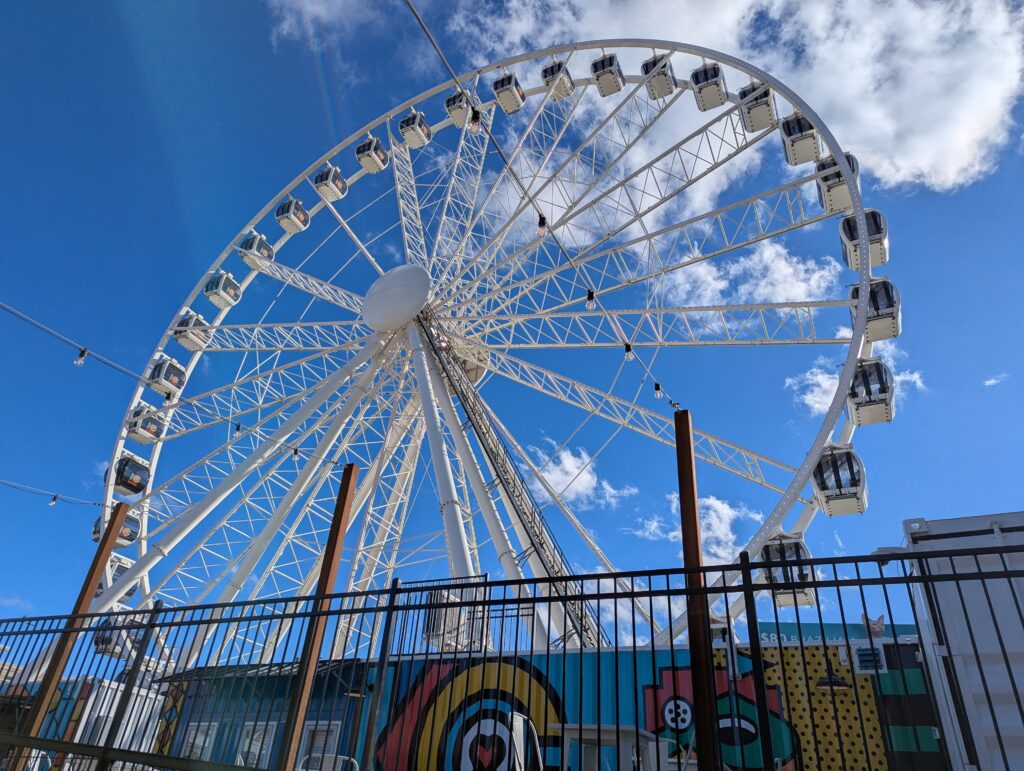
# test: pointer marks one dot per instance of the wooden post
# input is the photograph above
(61, 651)
(702, 664)
(318, 621)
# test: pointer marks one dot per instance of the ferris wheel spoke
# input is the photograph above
(408, 205)
(745, 324)
(229, 553)
(642, 192)
(588, 164)
(360, 246)
(505, 201)
(307, 336)
(312, 477)
(187, 521)
(248, 394)
(556, 498)
(604, 267)
(711, 449)
(460, 199)
(318, 288)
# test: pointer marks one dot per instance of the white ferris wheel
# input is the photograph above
(512, 233)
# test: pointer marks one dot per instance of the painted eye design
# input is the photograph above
(485, 746)
(677, 714)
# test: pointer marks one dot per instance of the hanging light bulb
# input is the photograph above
(238, 428)
(591, 300)
(629, 352)
(53, 501)
(295, 453)
(542, 226)
(474, 121)
(658, 393)
(82, 353)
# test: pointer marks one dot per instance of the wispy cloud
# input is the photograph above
(883, 86)
(718, 519)
(573, 477)
(995, 380)
(15, 602)
(815, 387)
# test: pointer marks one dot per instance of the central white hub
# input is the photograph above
(396, 297)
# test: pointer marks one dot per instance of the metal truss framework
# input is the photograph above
(242, 477)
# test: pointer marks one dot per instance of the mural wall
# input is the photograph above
(831, 705)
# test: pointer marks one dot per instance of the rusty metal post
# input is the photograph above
(318, 621)
(702, 664)
(61, 651)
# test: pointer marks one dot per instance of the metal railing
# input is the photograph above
(899, 661)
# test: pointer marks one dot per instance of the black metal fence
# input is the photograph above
(893, 661)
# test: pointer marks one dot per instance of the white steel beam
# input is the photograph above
(458, 545)
(196, 513)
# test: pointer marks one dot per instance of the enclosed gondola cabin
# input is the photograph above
(878, 239)
(116, 568)
(192, 332)
(254, 248)
(608, 73)
(872, 394)
(885, 319)
(131, 474)
(222, 290)
(799, 140)
(415, 129)
(146, 425)
(839, 482)
(126, 536)
(709, 88)
(371, 155)
(110, 639)
(459, 108)
(292, 216)
(167, 377)
(789, 550)
(833, 189)
(558, 80)
(509, 93)
(662, 82)
(330, 184)
(757, 109)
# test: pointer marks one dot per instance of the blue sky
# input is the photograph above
(139, 137)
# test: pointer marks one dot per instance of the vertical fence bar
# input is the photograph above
(128, 688)
(702, 663)
(65, 642)
(764, 724)
(318, 620)
(378, 685)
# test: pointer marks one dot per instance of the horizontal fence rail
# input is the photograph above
(890, 661)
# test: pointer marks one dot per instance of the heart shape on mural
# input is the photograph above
(489, 752)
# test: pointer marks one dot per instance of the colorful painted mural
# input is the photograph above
(831, 706)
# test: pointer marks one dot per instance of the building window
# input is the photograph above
(319, 740)
(254, 745)
(199, 739)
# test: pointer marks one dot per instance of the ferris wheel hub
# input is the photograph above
(395, 298)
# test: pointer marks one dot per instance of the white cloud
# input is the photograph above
(719, 542)
(815, 388)
(768, 273)
(573, 477)
(922, 94)
(839, 544)
(311, 21)
(718, 538)
(994, 380)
